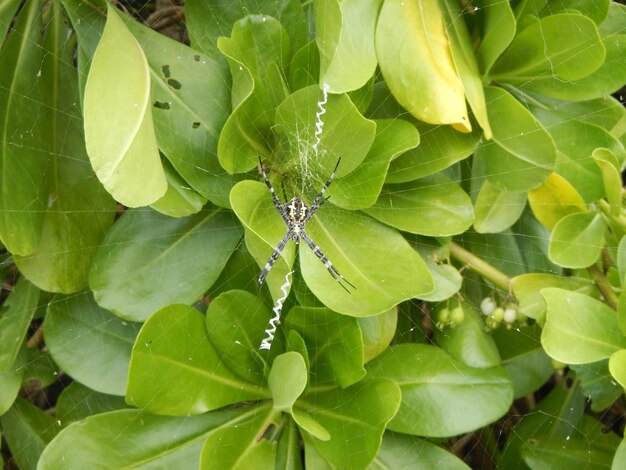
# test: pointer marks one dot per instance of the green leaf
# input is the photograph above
(598, 384)
(359, 189)
(579, 329)
(562, 454)
(287, 380)
(577, 240)
(610, 169)
(415, 58)
(408, 452)
(102, 441)
(595, 9)
(621, 261)
(527, 290)
(23, 148)
(345, 35)
(354, 436)
(79, 210)
(289, 454)
(436, 390)
(558, 414)
(439, 148)
(174, 370)
(555, 199)
(119, 132)
(501, 249)
(523, 358)
(517, 131)
(257, 52)
(619, 460)
(206, 22)
(346, 134)
(377, 333)
(166, 260)
(308, 424)
(497, 209)
(15, 316)
(467, 341)
(190, 99)
(376, 259)
(413, 206)
(617, 366)
(39, 368)
(498, 31)
(504, 170)
(576, 140)
(7, 10)
(78, 402)
(180, 200)
(446, 277)
(235, 336)
(242, 445)
(334, 344)
(608, 78)
(539, 49)
(464, 57)
(10, 384)
(27, 430)
(76, 323)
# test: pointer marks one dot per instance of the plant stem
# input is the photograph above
(603, 284)
(479, 266)
(606, 210)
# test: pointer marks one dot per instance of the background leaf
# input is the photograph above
(436, 389)
(102, 440)
(79, 210)
(76, 323)
(23, 156)
(166, 260)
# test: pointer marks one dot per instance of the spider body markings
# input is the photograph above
(296, 215)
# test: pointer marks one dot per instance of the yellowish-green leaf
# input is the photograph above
(119, 132)
(415, 58)
(555, 199)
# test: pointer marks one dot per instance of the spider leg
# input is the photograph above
(279, 205)
(274, 257)
(320, 199)
(334, 272)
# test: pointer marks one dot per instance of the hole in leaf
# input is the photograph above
(196, 58)
(195, 125)
(161, 105)
(174, 84)
(166, 71)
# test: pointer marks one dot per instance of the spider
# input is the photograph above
(296, 214)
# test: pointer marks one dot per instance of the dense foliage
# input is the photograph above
(477, 209)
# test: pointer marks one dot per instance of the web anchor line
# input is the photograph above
(275, 320)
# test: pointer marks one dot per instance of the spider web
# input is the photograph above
(480, 449)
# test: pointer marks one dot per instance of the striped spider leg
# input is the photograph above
(296, 215)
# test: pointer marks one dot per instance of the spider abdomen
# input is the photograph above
(297, 210)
